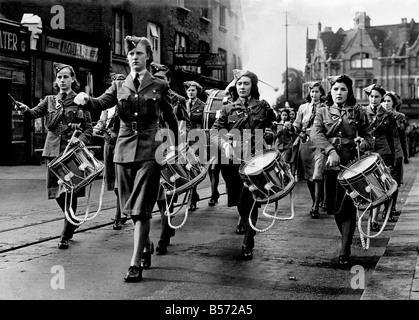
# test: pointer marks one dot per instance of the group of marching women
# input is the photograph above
(327, 131)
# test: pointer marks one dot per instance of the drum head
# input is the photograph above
(359, 167)
(213, 105)
(257, 163)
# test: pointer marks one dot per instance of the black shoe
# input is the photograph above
(192, 207)
(240, 229)
(117, 225)
(396, 213)
(212, 202)
(375, 226)
(161, 247)
(146, 259)
(247, 253)
(134, 274)
(124, 220)
(344, 261)
(392, 219)
(63, 243)
(314, 213)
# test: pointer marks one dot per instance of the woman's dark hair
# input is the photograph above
(397, 101)
(286, 110)
(322, 93)
(75, 85)
(351, 100)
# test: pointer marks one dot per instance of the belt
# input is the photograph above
(134, 125)
(338, 141)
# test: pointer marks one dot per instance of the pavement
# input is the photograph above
(395, 277)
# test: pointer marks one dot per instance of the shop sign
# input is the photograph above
(200, 59)
(13, 42)
(71, 49)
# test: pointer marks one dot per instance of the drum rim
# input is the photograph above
(241, 168)
(356, 177)
(63, 156)
(379, 201)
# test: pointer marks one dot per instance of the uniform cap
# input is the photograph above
(375, 86)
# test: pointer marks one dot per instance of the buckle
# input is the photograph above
(134, 126)
(337, 141)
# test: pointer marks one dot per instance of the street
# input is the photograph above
(293, 260)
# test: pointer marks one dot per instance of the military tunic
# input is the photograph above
(59, 115)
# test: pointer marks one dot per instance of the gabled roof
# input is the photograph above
(332, 43)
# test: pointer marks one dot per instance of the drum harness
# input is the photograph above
(71, 213)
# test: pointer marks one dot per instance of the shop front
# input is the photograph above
(15, 139)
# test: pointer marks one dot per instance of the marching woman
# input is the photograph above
(295, 145)
(334, 132)
(195, 108)
(243, 113)
(108, 127)
(143, 105)
(392, 102)
(284, 135)
(63, 117)
(310, 159)
(382, 123)
(179, 106)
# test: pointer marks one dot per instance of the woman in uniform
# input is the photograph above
(195, 108)
(108, 127)
(334, 132)
(145, 111)
(63, 116)
(243, 112)
(310, 160)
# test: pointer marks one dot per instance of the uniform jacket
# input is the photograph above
(59, 114)
(196, 112)
(179, 106)
(354, 121)
(142, 113)
(382, 123)
(234, 115)
(284, 137)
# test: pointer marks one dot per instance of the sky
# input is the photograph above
(265, 31)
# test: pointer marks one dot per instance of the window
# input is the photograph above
(121, 28)
(153, 32)
(181, 42)
(361, 60)
(223, 16)
(181, 3)
(205, 9)
(234, 62)
(359, 88)
(204, 46)
(223, 72)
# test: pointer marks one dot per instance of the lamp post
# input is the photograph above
(286, 57)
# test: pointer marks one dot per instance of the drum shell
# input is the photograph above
(181, 172)
(276, 175)
(371, 187)
(76, 167)
(215, 101)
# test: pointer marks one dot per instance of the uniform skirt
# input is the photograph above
(310, 162)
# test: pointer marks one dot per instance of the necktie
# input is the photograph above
(136, 82)
(246, 103)
(63, 96)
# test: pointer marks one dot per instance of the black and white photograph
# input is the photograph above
(209, 158)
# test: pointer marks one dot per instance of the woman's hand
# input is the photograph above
(81, 98)
(333, 159)
(20, 107)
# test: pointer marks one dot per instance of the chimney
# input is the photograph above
(361, 20)
(327, 29)
(404, 31)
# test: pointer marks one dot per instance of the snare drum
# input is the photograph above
(76, 168)
(368, 181)
(181, 172)
(268, 176)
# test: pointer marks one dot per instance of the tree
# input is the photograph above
(295, 89)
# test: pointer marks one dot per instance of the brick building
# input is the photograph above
(387, 54)
(199, 40)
